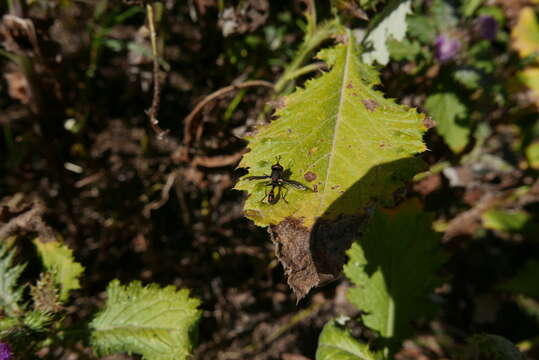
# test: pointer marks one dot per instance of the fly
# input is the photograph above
(277, 181)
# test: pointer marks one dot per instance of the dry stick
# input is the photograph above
(152, 112)
(189, 119)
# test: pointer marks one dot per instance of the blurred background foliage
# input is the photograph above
(78, 152)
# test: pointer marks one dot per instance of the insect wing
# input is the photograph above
(259, 177)
(295, 184)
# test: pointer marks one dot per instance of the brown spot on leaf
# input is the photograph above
(309, 176)
(315, 187)
(312, 151)
(381, 145)
(429, 123)
(370, 104)
(354, 94)
(289, 131)
(350, 85)
(335, 187)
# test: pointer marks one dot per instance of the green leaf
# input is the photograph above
(335, 343)
(390, 23)
(158, 323)
(393, 267)
(341, 138)
(504, 220)
(403, 50)
(422, 28)
(37, 320)
(525, 282)
(525, 34)
(530, 77)
(492, 347)
(58, 260)
(449, 112)
(468, 7)
(443, 14)
(10, 292)
(369, 4)
(532, 153)
(468, 77)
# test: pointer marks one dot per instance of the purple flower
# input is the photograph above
(446, 48)
(487, 27)
(5, 351)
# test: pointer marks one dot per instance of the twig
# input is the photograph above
(152, 112)
(165, 191)
(187, 137)
(219, 160)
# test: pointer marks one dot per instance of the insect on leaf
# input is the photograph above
(338, 136)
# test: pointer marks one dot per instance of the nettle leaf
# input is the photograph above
(58, 260)
(341, 138)
(335, 343)
(450, 114)
(390, 23)
(393, 267)
(10, 292)
(158, 323)
(350, 145)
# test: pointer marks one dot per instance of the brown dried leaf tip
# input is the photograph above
(312, 257)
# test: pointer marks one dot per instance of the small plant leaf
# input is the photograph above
(530, 78)
(158, 323)
(504, 220)
(450, 114)
(389, 24)
(525, 34)
(335, 343)
(58, 260)
(329, 136)
(10, 292)
(393, 267)
(532, 154)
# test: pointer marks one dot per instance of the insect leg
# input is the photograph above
(283, 194)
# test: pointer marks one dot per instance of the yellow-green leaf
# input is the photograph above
(335, 343)
(504, 220)
(530, 78)
(532, 153)
(341, 138)
(450, 114)
(58, 259)
(525, 34)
